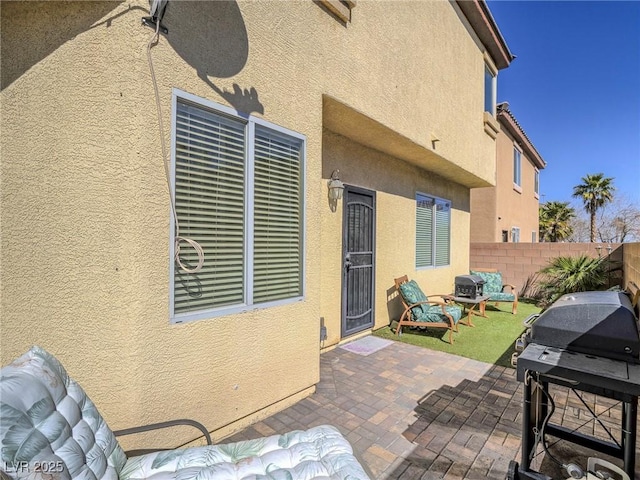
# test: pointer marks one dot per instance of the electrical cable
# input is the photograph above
(545, 422)
(573, 470)
(165, 161)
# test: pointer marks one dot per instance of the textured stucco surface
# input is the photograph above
(502, 207)
(85, 208)
(395, 183)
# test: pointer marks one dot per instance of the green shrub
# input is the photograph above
(573, 274)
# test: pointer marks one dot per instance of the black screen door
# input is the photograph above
(358, 259)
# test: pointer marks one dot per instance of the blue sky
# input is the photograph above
(575, 88)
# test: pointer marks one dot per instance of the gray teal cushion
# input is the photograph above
(412, 294)
(493, 287)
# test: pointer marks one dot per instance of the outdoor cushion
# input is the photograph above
(412, 294)
(47, 417)
(493, 281)
(502, 297)
(320, 452)
(434, 314)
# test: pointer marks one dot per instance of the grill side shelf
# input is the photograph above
(602, 376)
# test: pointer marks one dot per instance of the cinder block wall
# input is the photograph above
(631, 261)
(519, 261)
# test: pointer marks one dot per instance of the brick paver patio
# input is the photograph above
(413, 413)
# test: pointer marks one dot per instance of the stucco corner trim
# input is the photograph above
(491, 125)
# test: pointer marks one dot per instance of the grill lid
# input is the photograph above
(598, 323)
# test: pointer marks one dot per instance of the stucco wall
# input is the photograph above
(502, 207)
(85, 209)
(395, 183)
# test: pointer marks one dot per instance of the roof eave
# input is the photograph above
(482, 22)
(506, 119)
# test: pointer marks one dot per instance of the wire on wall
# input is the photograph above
(165, 161)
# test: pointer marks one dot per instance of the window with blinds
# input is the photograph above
(433, 231)
(277, 264)
(238, 193)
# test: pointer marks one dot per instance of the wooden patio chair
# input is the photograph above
(419, 311)
(495, 288)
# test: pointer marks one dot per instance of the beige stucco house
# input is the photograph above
(260, 104)
(508, 211)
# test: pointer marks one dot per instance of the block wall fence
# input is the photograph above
(631, 254)
(520, 261)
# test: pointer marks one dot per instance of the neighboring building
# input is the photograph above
(508, 211)
(261, 102)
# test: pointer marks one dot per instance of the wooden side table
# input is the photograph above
(475, 306)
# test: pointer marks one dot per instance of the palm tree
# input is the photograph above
(555, 221)
(595, 191)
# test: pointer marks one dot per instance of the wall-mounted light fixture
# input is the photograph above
(336, 187)
(599, 249)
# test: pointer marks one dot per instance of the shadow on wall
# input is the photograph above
(212, 38)
(209, 36)
(394, 305)
(55, 23)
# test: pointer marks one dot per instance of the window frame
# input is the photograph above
(249, 139)
(434, 234)
(515, 234)
(492, 72)
(517, 168)
(536, 183)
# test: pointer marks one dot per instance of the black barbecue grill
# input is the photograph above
(469, 286)
(588, 341)
(597, 323)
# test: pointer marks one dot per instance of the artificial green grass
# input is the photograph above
(492, 340)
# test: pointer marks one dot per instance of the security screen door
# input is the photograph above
(358, 259)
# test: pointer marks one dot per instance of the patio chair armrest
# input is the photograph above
(157, 426)
(444, 296)
(408, 309)
(430, 302)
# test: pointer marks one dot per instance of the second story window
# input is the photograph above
(490, 90)
(517, 168)
(536, 182)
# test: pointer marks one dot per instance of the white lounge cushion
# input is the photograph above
(47, 417)
(318, 453)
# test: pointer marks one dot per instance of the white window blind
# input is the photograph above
(277, 217)
(238, 186)
(443, 215)
(209, 195)
(433, 231)
(424, 231)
